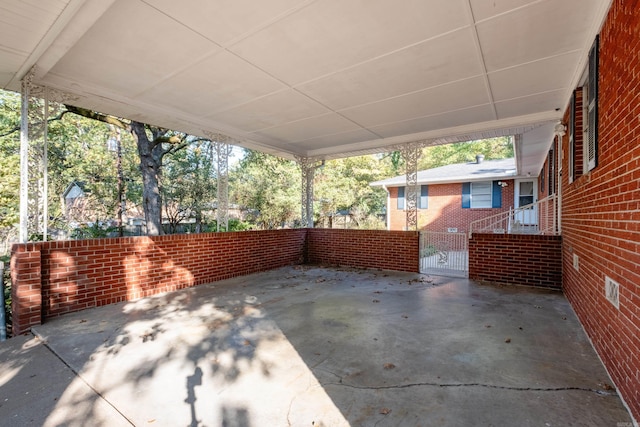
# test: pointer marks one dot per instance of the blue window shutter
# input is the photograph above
(466, 195)
(400, 198)
(496, 197)
(424, 197)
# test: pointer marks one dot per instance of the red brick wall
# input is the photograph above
(387, 250)
(54, 278)
(74, 275)
(445, 208)
(601, 209)
(26, 298)
(516, 259)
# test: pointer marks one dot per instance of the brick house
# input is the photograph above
(593, 169)
(452, 196)
(599, 188)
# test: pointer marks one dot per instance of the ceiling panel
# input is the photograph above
(218, 82)
(331, 141)
(420, 66)
(526, 105)
(453, 96)
(272, 110)
(11, 61)
(533, 77)
(481, 113)
(225, 20)
(308, 77)
(535, 32)
(483, 9)
(125, 51)
(308, 128)
(333, 34)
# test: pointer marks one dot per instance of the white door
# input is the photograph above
(525, 194)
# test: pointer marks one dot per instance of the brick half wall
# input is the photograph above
(386, 250)
(54, 278)
(516, 259)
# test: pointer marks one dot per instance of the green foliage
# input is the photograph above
(189, 184)
(9, 159)
(268, 186)
(233, 224)
(441, 155)
(343, 185)
(95, 230)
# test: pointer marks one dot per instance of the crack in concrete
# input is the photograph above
(493, 386)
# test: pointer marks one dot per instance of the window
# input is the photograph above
(572, 142)
(552, 170)
(423, 201)
(583, 120)
(484, 194)
(590, 105)
(400, 198)
(480, 195)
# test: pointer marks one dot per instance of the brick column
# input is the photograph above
(26, 287)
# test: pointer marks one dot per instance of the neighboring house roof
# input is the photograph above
(459, 172)
(74, 190)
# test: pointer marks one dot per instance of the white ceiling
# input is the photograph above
(325, 78)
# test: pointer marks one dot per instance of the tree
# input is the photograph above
(343, 185)
(153, 143)
(268, 186)
(77, 152)
(461, 152)
(189, 184)
(9, 161)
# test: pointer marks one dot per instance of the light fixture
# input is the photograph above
(502, 184)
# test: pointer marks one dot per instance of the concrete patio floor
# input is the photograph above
(308, 346)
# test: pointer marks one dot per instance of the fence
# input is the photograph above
(444, 253)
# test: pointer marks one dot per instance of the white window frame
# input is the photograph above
(474, 196)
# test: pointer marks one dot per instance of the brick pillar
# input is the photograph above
(26, 287)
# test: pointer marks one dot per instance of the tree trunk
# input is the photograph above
(150, 167)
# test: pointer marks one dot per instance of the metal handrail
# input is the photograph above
(511, 222)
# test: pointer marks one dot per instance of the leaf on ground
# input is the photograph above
(404, 316)
(487, 326)
(377, 292)
(508, 340)
(389, 366)
(385, 411)
(375, 300)
(320, 280)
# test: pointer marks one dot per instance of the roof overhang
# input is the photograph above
(323, 78)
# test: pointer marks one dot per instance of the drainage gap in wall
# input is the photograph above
(612, 291)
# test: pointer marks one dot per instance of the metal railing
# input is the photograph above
(444, 253)
(540, 217)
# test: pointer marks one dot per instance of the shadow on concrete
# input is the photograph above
(325, 347)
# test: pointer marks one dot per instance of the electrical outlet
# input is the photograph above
(576, 262)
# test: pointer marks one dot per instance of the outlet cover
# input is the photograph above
(576, 262)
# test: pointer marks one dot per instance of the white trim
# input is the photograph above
(516, 198)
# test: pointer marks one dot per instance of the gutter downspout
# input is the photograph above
(388, 213)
